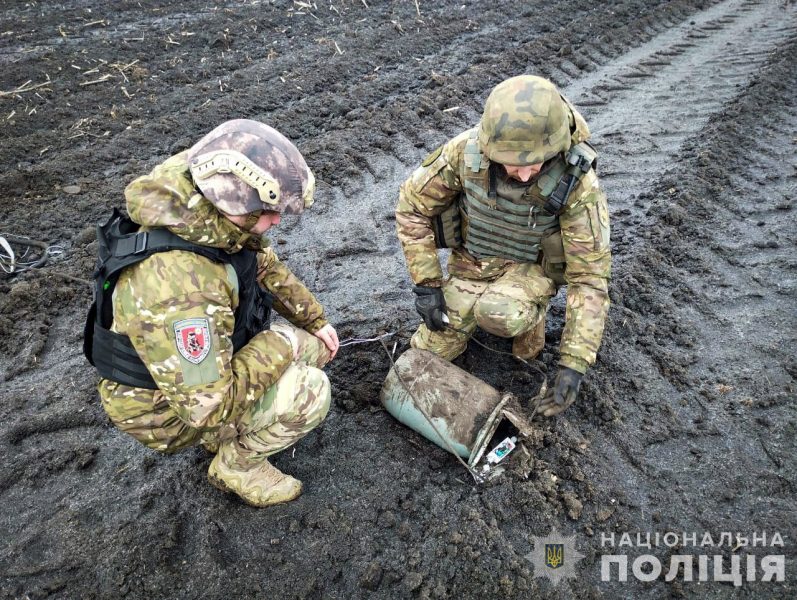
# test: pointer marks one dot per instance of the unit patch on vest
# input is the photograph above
(193, 339)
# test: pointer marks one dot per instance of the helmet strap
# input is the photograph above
(251, 220)
(492, 190)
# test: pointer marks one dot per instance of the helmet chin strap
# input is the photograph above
(251, 220)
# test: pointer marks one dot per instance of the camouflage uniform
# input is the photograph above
(260, 398)
(501, 292)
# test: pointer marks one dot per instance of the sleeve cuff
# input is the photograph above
(316, 325)
(577, 364)
(432, 283)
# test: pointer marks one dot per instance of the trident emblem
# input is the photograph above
(554, 555)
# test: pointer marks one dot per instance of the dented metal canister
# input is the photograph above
(465, 410)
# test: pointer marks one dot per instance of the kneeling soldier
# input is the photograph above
(518, 200)
(180, 330)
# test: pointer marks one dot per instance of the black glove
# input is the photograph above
(562, 394)
(431, 305)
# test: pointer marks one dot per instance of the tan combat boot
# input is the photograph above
(528, 345)
(257, 482)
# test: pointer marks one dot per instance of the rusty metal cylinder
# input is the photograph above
(465, 410)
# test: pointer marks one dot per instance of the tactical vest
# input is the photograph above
(486, 224)
(121, 245)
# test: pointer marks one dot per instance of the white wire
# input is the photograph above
(11, 263)
(354, 341)
(7, 258)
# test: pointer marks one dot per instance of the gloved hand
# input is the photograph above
(562, 394)
(431, 305)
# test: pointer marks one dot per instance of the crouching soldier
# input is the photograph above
(180, 329)
(518, 200)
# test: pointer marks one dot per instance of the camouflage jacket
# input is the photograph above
(584, 224)
(154, 296)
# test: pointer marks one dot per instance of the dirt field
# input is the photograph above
(686, 424)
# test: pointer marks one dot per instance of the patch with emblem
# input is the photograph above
(432, 157)
(554, 555)
(193, 339)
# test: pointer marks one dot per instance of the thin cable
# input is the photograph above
(7, 258)
(537, 399)
(355, 341)
(486, 347)
(12, 264)
(15, 239)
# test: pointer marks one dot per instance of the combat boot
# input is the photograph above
(528, 345)
(256, 481)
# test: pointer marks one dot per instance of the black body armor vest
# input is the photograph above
(120, 245)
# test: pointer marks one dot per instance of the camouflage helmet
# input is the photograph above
(525, 122)
(245, 167)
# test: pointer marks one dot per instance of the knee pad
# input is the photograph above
(505, 316)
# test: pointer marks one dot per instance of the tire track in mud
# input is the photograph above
(715, 427)
(758, 248)
(655, 97)
(643, 107)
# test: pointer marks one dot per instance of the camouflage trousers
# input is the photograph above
(507, 307)
(285, 413)
(293, 406)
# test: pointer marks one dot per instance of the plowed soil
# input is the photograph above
(686, 424)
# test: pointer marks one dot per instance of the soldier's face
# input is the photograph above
(524, 173)
(267, 220)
